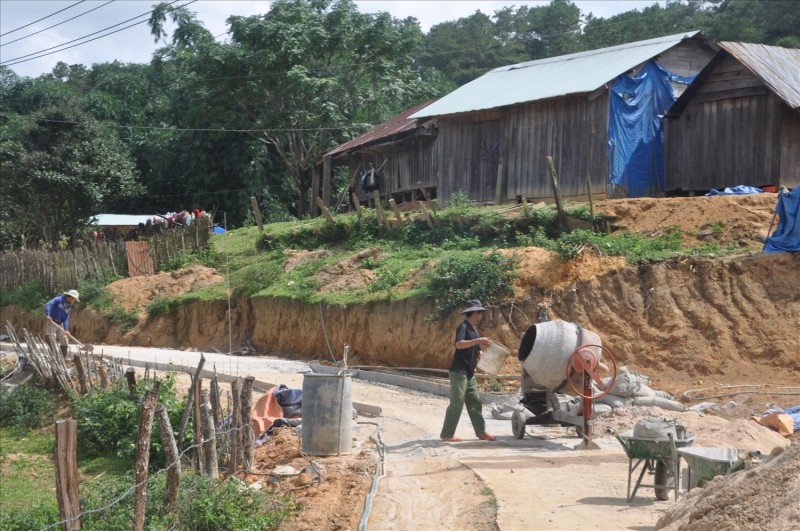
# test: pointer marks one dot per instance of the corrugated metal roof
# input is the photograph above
(778, 67)
(549, 78)
(391, 127)
(113, 220)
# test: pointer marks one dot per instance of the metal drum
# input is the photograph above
(327, 426)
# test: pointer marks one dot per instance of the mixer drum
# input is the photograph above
(545, 350)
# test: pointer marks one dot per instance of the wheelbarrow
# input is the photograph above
(707, 463)
(656, 456)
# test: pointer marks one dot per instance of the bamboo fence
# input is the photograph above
(59, 271)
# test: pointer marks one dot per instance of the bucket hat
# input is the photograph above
(474, 305)
(74, 294)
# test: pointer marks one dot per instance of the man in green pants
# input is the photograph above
(463, 386)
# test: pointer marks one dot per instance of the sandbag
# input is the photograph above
(613, 401)
(657, 428)
(628, 383)
(663, 403)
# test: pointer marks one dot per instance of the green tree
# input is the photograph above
(60, 166)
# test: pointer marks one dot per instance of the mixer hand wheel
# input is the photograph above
(585, 361)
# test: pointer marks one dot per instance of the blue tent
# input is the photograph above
(786, 237)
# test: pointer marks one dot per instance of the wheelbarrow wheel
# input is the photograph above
(518, 423)
(664, 480)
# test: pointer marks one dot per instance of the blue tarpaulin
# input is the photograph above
(786, 237)
(636, 130)
(736, 190)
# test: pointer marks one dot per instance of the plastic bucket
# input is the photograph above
(546, 365)
(327, 426)
(493, 358)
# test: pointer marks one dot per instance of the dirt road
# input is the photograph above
(539, 482)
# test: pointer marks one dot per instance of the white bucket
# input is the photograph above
(546, 365)
(493, 358)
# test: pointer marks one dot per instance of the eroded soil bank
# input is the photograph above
(693, 320)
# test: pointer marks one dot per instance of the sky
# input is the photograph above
(136, 44)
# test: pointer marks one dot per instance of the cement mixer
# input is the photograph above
(561, 365)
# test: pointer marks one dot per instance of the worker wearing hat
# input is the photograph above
(57, 311)
(463, 385)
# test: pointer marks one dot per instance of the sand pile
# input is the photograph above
(764, 497)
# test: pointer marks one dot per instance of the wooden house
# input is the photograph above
(490, 138)
(738, 123)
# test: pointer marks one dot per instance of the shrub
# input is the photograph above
(108, 420)
(28, 406)
(94, 293)
(473, 275)
(186, 257)
(30, 296)
(40, 516)
(203, 503)
(255, 277)
(162, 305)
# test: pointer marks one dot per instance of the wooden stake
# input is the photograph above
(67, 486)
(130, 377)
(198, 425)
(382, 219)
(102, 370)
(562, 220)
(189, 402)
(248, 437)
(257, 212)
(357, 202)
(525, 207)
(76, 359)
(393, 205)
(173, 457)
(209, 438)
(425, 195)
(236, 434)
(427, 216)
(324, 209)
(142, 465)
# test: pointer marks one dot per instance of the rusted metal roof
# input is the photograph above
(778, 67)
(394, 126)
(564, 75)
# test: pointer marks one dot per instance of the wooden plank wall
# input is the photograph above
(565, 128)
(405, 163)
(790, 147)
(686, 59)
(729, 134)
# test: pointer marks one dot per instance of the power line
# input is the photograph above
(21, 59)
(41, 19)
(54, 25)
(187, 129)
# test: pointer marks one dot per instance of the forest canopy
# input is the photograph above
(208, 124)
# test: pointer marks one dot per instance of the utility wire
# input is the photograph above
(54, 25)
(21, 58)
(41, 19)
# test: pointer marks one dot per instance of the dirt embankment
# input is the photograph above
(683, 322)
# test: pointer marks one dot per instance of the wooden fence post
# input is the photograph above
(76, 359)
(357, 203)
(102, 370)
(173, 457)
(248, 437)
(216, 409)
(146, 412)
(562, 220)
(130, 377)
(67, 491)
(257, 212)
(324, 210)
(236, 433)
(198, 425)
(398, 215)
(189, 402)
(209, 438)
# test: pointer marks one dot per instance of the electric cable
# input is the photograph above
(54, 25)
(41, 19)
(21, 58)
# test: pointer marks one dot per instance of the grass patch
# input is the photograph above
(26, 468)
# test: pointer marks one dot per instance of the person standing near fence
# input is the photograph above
(57, 311)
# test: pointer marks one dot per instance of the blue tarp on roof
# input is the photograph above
(636, 130)
(786, 237)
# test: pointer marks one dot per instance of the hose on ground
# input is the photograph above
(380, 471)
(761, 389)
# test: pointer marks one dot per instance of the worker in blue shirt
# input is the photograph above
(57, 312)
